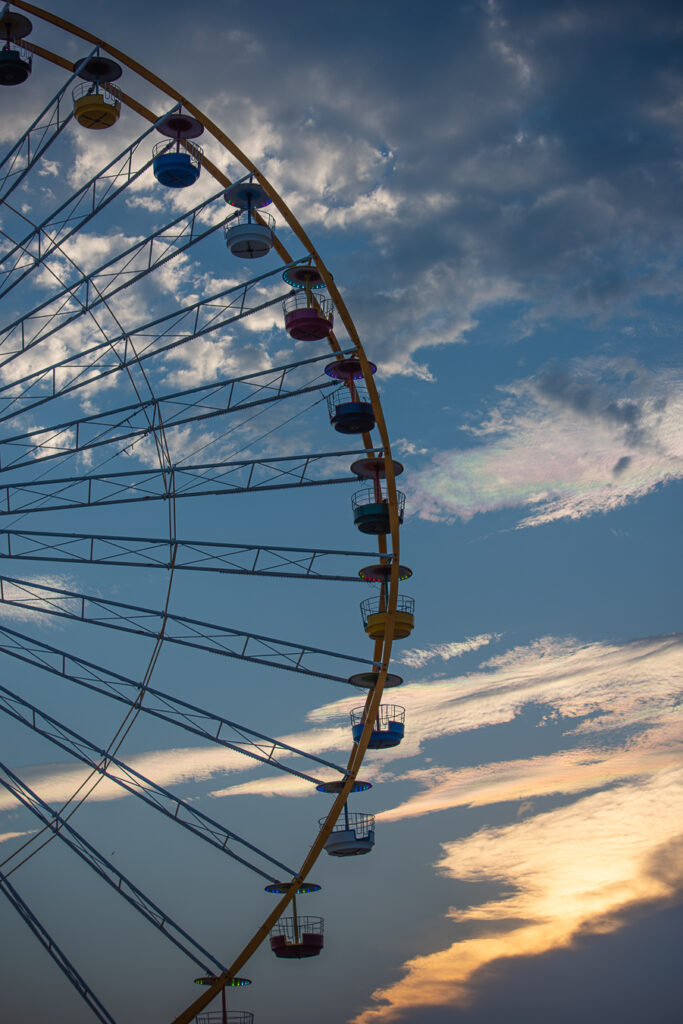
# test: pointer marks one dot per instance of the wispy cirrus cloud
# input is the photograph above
(597, 690)
(418, 657)
(564, 444)
(6, 836)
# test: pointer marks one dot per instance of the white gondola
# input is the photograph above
(246, 237)
(352, 836)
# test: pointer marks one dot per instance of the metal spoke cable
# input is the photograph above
(133, 895)
(133, 782)
(60, 958)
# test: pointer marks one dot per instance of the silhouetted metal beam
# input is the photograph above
(183, 554)
(60, 958)
(155, 484)
(213, 637)
(60, 827)
(201, 722)
(133, 782)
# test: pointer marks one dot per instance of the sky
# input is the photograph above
(496, 188)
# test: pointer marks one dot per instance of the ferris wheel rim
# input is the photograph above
(382, 647)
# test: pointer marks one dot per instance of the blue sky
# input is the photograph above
(496, 189)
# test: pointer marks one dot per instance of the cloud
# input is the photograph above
(6, 836)
(31, 599)
(565, 444)
(574, 870)
(596, 690)
(584, 867)
(418, 657)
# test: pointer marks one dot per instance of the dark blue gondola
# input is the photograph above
(15, 65)
(177, 163)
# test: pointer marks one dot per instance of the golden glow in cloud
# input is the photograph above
(576, 869)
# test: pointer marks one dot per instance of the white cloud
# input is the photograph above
(5, 836)
(30, 598)
(604, 436)
(418, 657)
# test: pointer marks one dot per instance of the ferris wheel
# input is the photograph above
(206, 355)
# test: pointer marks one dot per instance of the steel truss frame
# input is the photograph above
(91, 290)
(36, 140)
(173, 321)
(183, 554)
(179, 629)
(206, 724)
(31, 251)
(112, 426)
(191, 481)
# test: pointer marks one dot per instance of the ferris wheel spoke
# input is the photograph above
(120, 271)
(140, 418)
(59, 826)
(36, 140)
(155, 484)
(112, 356)
(212, 637)
(183, 555)
(120, 352)
(23, 256)
(199, 721)
(60, 958)
(133, 782)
